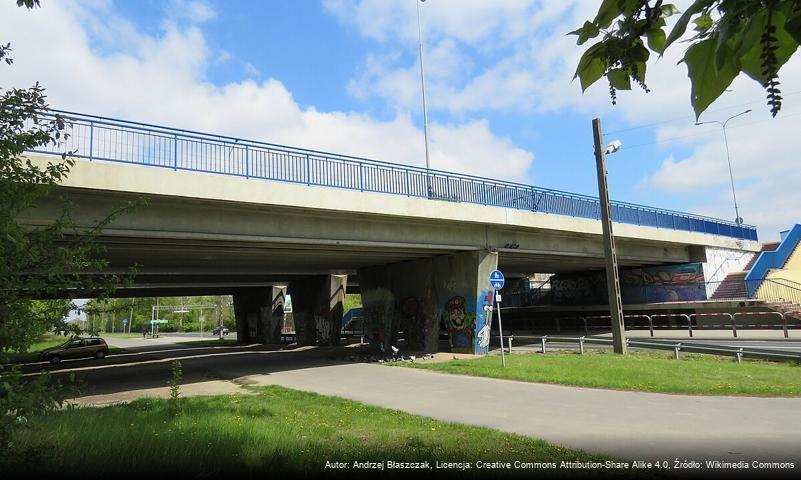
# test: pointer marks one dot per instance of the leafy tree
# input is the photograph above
(38, 261)
(139, 310)
(729, 37)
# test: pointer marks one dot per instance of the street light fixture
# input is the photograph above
(423, 85)
(737, 219)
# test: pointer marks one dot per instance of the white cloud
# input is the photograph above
(251, 70)
(161, 79)
(468, 21)
(193, 11)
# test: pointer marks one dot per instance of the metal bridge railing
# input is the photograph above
(99, 138)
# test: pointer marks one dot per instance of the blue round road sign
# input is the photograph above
(496, 279)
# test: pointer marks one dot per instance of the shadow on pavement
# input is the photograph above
(152, 369)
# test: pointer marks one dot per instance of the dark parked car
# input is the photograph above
(216, 330)
(76, 347)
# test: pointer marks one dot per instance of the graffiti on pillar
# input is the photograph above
(378, 308)
(484, 319)
(253, 329)
(461, 325)
(412, 322)
(323, 328)
(587, 288)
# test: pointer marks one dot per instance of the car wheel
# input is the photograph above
(55, 359)
(100, 354)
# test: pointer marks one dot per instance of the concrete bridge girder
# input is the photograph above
(189, 233)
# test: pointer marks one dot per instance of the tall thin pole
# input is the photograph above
(500, 326)
(130, 316)
(737, 219)
(423, 84)
(612, 280)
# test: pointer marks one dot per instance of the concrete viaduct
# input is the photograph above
(228, 216)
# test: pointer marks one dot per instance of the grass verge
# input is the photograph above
(639, 371)
(122, 335)
(274, 430)
(47, 341)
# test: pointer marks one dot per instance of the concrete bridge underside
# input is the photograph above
(214, 234)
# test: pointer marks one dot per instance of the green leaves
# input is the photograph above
(729, 37)
(619, 79)
(656, 40)
(590, 68)
(681, 25)
(586, 32)
(708, 82)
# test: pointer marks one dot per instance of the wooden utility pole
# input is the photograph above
(612, 280)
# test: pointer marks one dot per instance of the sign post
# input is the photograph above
(497, 281)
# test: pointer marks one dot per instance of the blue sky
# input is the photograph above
(342, 75)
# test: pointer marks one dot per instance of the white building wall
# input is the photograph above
(720, 262)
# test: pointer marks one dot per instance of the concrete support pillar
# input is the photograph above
(247, 310)
(317, 306)
(259, 314)
(272, 315)
(414, 298)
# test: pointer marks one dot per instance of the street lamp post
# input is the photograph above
(737, 219)
(610, 252)
(423, 85)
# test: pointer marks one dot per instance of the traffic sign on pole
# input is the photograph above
(496, 279)
(496, 282)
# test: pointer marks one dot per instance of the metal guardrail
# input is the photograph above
(738, 352)
(687, 317)
(99, 138)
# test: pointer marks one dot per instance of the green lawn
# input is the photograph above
(122, 335)
(650, 372)
(274, 430)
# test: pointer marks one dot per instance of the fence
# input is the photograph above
(778, 290)
(98, 138)
(738, 352)
(603, 322)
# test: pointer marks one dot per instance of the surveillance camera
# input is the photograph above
(614, 146)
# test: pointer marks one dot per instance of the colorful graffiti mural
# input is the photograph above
(668, 283)
(461, 325)
(468, 324)
(665, 283)
(483, 322)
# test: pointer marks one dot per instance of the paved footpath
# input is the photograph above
(629, 425)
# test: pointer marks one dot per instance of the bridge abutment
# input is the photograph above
(317, 307)
(414, 297)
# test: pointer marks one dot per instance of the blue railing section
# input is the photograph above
(99, 138)
(351, 315)
(774, 259)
